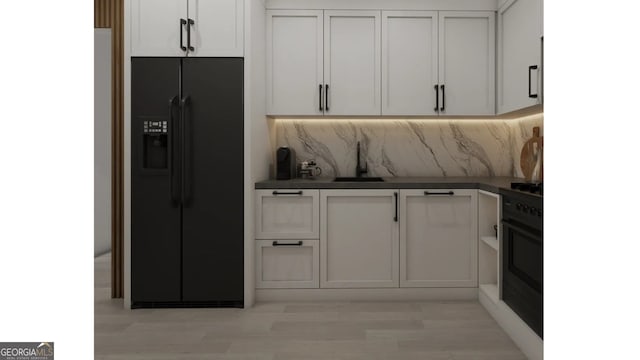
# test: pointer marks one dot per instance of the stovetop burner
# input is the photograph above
(534, 188)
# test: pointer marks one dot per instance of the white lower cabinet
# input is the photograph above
(438, 238)
(291, 264)
(373, 238)
(358, 239)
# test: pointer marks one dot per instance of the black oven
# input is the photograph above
(522, 257)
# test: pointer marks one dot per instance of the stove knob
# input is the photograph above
(518, 206)
(539, 213)
(525, 208)
(532, 210)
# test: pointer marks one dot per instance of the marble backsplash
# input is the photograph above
(410, 147)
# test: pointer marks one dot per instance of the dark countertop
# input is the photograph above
(492, 184)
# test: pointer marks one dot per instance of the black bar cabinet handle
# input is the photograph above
(320, 96)
(182, 23)
(450, 193)
(174, 173)
(275, 243)
(395, 196)
(435, 87)
(541, 88)
(326, 97)
(183, 149)
(287, 192)
(532, 67)
(442, 88)
(191, 22)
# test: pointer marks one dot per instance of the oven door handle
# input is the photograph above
(521, 229)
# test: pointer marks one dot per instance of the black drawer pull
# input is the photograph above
(450, 193)
(287, 193)
(275, 243)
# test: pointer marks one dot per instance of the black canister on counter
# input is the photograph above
(286, 163)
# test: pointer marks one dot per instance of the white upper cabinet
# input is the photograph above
(187, 28)
(409, 62)
(323, 62)
(467, 63)
(218, 27)
(156, 27)
(352, 62)
(519, 54)
(372, 63)
(294, 62)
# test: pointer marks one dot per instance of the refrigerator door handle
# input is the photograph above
(184, 193)
(173, 167)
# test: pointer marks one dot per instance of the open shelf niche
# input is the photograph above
(489, 244)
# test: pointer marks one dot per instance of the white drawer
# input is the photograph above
(292, 264)
(287, 214)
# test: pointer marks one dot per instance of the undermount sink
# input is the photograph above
(359, 179)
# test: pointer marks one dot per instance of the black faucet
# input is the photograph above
(360, 170)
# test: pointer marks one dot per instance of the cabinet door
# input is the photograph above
(467, 62)
(287, 214)
(294, 62)
(218, 28)
(287, 264)
(438, 238)
(359, 239)
(519, 47)
(352, 62)
(409, 62)
(156, 27)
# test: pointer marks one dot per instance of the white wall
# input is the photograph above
(257, 146)
(102, 141)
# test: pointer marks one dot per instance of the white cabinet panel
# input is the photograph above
(352, 62)
(438, 238)
(218, 27)
(519, 48)
(294, 62)
(467, 62)
(287, 264)
(359, 239)
(287, 214)
(156, 28)
(409, 62)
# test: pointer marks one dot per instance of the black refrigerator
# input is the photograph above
(187, 182)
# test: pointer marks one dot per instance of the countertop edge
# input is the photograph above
(490, 184)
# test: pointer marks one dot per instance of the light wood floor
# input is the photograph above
(277, 331)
